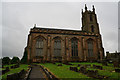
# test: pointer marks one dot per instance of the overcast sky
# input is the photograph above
(19, 17)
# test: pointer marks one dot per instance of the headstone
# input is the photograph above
(92, 73)
(97, 67)
(116, 64)
(83, 69)
(14, 76)
(11, 67)
(104, 63)
(3, 71)
(67, 63)
(79, 65)
(87, 65)
(117, 70)
(7, 69)
(74, 69)
(59, 65)
(53, 62)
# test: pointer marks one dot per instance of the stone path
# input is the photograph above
(36, 74)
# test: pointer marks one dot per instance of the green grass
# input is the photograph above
(63, 71)
(112, 75)
(107, 70)
(22, 66)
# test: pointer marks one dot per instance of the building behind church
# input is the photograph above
(48, 44)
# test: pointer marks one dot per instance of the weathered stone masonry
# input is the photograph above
(67, 45)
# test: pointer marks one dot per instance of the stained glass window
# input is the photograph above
(39, 47)
(57, 48)
(74, 46)
(90, 48)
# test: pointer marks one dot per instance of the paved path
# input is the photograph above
(36, 74)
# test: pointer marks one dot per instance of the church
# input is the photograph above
(61, 45)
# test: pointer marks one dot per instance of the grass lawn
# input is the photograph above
(22, 66)
(107, 70)
(64, 72)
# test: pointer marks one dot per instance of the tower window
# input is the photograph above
(92, 28)
(91, 19)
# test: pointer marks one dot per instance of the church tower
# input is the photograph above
(89, 21)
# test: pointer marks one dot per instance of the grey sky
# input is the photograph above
(18, 18)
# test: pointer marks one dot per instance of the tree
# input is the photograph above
(6, 60)
(15, 60)
(24, 58)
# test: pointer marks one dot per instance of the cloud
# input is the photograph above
(18, 18)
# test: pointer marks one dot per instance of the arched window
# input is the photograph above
(74, 46)
(91, 18)
(39, 47)
(92, 28)
(57, 47)
(90, 48)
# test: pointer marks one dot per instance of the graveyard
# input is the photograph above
(62, 71)
(83, 70)
(7, 70)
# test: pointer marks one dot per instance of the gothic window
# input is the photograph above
(92, 28)
(90, 48)
(74, 46)
(57, 48)
(39, 47)
(91, 18)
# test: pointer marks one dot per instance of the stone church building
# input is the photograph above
(48, 44)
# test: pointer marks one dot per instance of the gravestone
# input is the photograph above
(7, 69)
(117, 70)
(97, 67)
(87, 65)
(14, 76)
(67, 63)
(92, 73)
(79, 65)
(11, 67)
(3, 71)
(104, 63)
(74, 69)
(59, 65)
(53, 62)
(116, 64)
(83, 70)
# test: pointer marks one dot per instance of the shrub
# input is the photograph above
(15, 60)
(24, 58)
(6, 60)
